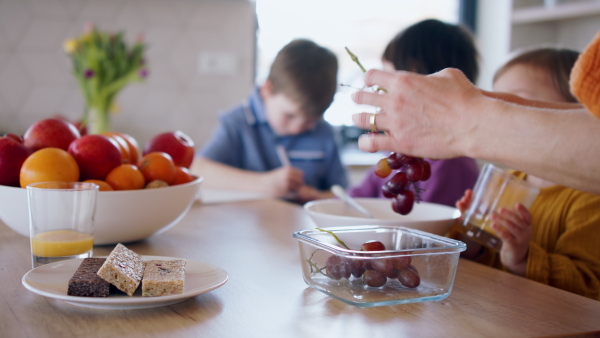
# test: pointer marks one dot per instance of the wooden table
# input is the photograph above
(266, 296)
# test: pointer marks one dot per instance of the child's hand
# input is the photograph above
(465, 201)
(283, 180)
(307, 193)
(514, 228)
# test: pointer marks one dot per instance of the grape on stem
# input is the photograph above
(414, 170)
(426, 171)
(382, 169)
(385, 190)
(397, 183)
(403, 203)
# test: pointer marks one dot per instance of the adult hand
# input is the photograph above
(424, 116)
(282, 181)
(514, 229)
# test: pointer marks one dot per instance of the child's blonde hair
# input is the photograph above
(557, 62)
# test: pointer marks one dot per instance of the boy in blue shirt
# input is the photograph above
(277, 142)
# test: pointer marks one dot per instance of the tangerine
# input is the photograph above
(134, 148)
(157, 166)
(123, 145)
(182, 175)
(126, 177)
(49, 164)
(102, 184)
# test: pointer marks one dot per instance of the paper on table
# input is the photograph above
(211, 195)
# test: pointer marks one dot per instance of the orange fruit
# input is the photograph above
(126, 177)
(157, 166)
(102, 184)
(123, 145)
(134, 148)
(182, 175)
(49, 164)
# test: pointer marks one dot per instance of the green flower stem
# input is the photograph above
(98, 119)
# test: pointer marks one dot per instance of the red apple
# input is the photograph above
(50, 133)
(77, 123)
(175, 143)
(96, 156)
(14, 137)
(12, 156)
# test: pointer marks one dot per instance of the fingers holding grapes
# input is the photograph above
(419, 111)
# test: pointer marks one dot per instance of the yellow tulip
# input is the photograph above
(114, 109)
(70, 46)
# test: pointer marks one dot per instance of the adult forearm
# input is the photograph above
(560, 146)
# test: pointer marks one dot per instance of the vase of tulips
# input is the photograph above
(103, 65)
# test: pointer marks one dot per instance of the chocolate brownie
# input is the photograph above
(86, 283)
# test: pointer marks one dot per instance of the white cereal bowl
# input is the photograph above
(429, 217)
(121, 216)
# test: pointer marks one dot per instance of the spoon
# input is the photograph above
(341, 193)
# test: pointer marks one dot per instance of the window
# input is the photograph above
(365, 27)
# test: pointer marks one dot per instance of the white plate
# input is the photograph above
(51, 280)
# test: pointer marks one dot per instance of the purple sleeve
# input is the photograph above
(449, 180)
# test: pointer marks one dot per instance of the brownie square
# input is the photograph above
(86, 283)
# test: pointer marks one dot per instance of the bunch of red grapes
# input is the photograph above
(375, 272)
(410, 170)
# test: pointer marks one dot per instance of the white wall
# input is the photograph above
(493, 35)
(35, 79)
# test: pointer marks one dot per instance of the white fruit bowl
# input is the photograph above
(121, 216)
(429, 217)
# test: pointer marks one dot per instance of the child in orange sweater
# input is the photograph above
(556, 242)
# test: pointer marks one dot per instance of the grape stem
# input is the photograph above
(336, 237)
(314, 269)
(417, 191)
(355, 59)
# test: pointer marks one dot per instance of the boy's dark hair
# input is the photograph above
(430, 46)
(307, 74)
(557, 62)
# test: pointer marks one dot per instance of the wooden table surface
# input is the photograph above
(266, 296)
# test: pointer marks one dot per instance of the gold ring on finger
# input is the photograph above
(372, 123)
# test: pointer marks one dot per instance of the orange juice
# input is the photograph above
(61, 243)
(495, 189)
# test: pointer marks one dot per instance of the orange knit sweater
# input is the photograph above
(585, 77)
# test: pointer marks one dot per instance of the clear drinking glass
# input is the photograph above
(61, 220)
(495, 189)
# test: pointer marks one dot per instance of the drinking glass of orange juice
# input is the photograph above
(495, 189)
(61, 220)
